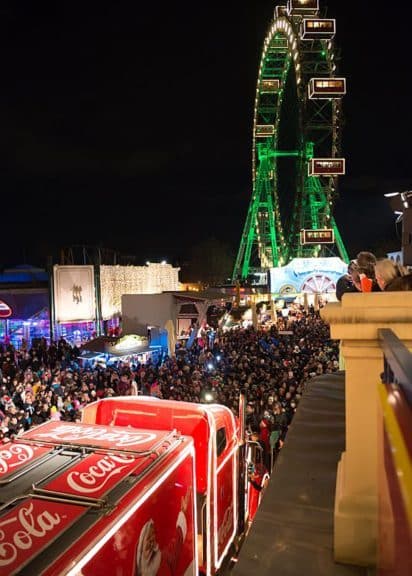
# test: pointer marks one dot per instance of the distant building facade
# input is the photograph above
(75, 302)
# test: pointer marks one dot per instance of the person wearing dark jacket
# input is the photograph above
(400, 284)
(344, 284)
(366, 262)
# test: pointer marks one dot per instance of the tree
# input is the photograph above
(210, 262)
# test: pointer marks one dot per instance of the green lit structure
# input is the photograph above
(296, 143)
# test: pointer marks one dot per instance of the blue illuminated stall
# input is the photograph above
(24, 305)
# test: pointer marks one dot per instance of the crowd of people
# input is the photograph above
(272, 365)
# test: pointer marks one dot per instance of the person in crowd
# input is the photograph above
(265, 429)
(366, 270)
(346, 282)
(252, 421)
(272, 368)
(387, 272)
(400, 284)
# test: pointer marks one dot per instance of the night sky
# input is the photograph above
(129, 125)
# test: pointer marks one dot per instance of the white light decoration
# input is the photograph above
(118, 280)
(233, 453)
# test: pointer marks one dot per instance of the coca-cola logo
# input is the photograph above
(21, 529)
(95, 478)
(226, 526)
(14, 456)
(78, 432)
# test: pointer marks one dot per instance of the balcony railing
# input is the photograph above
(395, 461)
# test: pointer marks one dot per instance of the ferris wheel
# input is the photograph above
(296, 158)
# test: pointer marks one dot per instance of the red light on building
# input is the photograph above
(5, 310)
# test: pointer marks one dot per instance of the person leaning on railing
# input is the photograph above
(360, 276)
(402, 283)
(365, 272)
(391, 276)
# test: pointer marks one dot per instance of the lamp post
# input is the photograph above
(401, 204)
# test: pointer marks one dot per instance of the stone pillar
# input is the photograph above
(355, 321)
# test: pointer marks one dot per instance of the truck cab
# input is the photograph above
(216, 437)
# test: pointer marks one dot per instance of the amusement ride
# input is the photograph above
(296, 158)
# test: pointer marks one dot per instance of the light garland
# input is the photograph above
(118, 280)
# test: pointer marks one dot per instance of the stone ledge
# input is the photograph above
(359, 316)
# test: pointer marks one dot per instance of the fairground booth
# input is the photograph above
(177, 313)
(131, 349)
(24, 305)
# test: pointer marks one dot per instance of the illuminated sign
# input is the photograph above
(5, 310)
(74, 293)
(264, 130)
(326, 167)
(302, 6)
(321, 236)
(30, 526)
(14, 456)
(326, 88)
(269, 86)
(314, 28)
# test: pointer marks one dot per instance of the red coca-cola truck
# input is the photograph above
(141, 487)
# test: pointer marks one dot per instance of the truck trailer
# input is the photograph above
(140, 487)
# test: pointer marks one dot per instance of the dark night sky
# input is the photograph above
(129, 125)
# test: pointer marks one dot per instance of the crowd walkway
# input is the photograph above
(292, 533)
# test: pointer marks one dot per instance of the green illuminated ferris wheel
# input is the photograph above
(296, 143)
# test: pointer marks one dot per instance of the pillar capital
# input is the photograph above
(360, 315)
